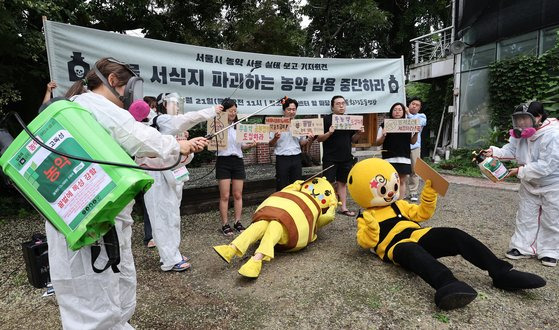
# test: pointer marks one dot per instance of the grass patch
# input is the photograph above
(441, 317)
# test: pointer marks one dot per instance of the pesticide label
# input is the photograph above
(493, 169)
(72, 187)
(181, 174)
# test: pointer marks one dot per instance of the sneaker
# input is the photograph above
(549, 262)
(413, 198)
(515, 255)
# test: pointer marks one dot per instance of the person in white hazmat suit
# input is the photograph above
(163, 200)
(534, 144)
(106, 300)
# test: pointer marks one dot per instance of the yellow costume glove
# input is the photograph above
(295, 186)
(367, 230)
(428, 194)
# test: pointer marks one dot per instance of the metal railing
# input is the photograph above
(432, 46)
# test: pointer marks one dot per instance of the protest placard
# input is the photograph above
(347, 122)
(278, 124)
(214, 125)
(253, 132)
(402, 125)
(301, 127)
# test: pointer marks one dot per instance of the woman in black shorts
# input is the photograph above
(230, 172)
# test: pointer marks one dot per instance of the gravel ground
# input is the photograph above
(333, 283)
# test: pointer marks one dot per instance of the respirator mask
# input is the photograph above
(523, 123)
(134, 89)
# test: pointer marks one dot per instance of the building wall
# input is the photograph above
(474, 121)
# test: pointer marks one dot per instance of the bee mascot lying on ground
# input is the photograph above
(390, 228)
(287, 219)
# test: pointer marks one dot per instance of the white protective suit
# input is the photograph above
(89, 300)
(537, 218)
(164, 198)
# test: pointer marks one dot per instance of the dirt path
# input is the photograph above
(331, 284)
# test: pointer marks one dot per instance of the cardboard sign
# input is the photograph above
(427, 173)
(301, 127)
(212, 126)
(278, 124)
(347, 122)
(402, 125)
(253, 132)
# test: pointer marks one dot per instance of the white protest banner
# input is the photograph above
(205, 76)
(347, 122)
(214, 125)
(402, 125)
(253, 132)
(278, 124)
(301, 127)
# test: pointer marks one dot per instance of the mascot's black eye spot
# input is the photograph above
(396, 187)
(350, 181)
(315, 181)
(327, 193)
(383, 190)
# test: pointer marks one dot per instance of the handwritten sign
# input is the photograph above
(347, 122)
(253, 132)
(212, 126)
(402, 125)
(301, 127)
(278, 124)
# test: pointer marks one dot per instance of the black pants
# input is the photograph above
(421, 257)
(288, 170)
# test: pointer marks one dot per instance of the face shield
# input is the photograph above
(174, 104)
(523, 123)
(134, 89)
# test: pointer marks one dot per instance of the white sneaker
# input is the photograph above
(549, 262)
(414, 198)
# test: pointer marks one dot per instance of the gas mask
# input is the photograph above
(134, 89)
(523, 123)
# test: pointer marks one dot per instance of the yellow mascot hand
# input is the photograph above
(367, 230)
(295, 186)
(428, 195)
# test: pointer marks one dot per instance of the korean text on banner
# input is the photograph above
(205, 76)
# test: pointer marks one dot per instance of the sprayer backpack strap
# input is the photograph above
(154, 122)
(110, 242)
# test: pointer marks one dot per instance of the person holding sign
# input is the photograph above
(412, 112)
(337, 151)
(396, 146)
(289, 167)
(392, 229)
(106, 300)
(230, 172)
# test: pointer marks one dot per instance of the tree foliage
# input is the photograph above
(521, 79)
(354, 29)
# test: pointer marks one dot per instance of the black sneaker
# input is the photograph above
(515, 255)
(549, 262)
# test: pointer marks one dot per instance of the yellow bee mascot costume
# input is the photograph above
(390, 228)
(288, 218)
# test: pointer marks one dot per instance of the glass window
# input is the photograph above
(525, 44)
(549, 38)
(478, 57)
(474, 109)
